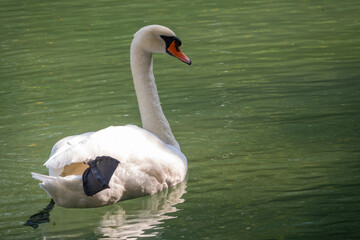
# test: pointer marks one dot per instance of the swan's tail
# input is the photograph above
(66, 191)
(91, 189)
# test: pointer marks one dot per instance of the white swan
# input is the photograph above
(147, 160)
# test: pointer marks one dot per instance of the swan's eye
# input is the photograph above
(170, 39)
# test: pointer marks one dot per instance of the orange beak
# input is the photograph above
(176, 52)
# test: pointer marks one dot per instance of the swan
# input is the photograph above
(122, 162)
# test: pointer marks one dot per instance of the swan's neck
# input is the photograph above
(152, 116)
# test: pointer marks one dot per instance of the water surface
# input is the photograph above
(268, 115)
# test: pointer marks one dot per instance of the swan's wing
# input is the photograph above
(128, 144)
(68, 142)
(80, 148)
(121, 142)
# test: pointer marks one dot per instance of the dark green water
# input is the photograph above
(268, 115)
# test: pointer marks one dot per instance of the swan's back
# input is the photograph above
(128, 144)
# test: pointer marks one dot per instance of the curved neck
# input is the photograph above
(152, 116)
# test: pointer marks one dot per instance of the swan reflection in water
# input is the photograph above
(148, 213)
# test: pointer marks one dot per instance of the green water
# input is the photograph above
(268, 115)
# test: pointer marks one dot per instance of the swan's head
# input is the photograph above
(159, 39)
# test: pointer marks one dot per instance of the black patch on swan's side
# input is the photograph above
(97, 177)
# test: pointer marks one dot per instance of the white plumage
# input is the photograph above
(150, 157)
